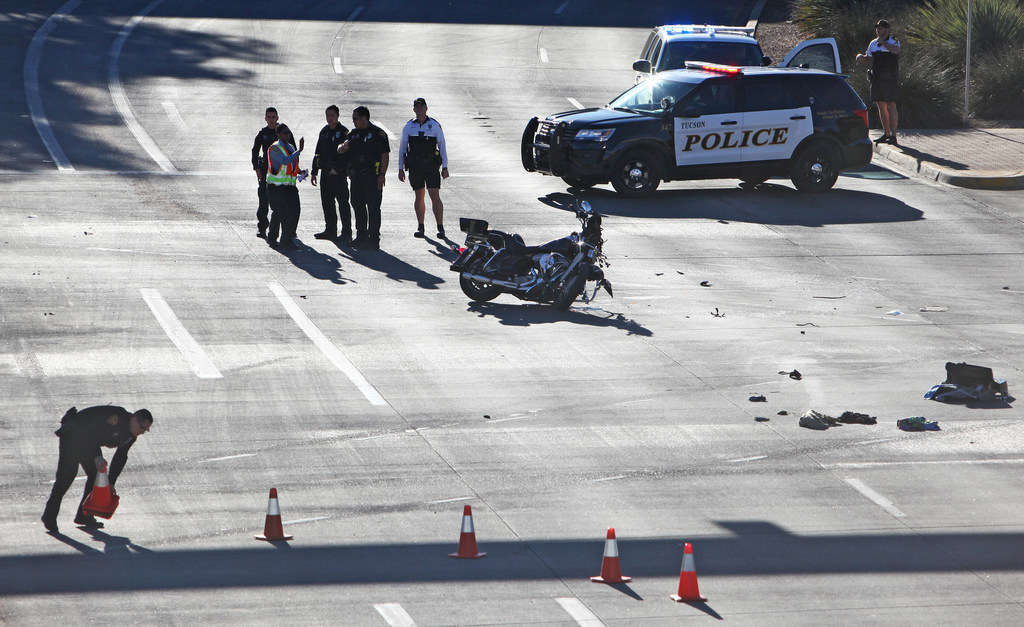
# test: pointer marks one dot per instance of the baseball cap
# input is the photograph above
(882, 23)
(419, 101)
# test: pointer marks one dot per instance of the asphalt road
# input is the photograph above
(379, 401)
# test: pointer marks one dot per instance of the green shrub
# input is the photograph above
(997, 28)
(997, 85)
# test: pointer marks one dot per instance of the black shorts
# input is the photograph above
(429, 177)
(885, 87)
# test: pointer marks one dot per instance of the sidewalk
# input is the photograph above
(977, 158)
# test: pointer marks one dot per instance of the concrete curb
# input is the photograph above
(981, 179)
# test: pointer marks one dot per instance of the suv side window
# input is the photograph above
(827, 92)
(816, 57)
(712, 97)
(767, 93)
(645, 54)
(656, 52)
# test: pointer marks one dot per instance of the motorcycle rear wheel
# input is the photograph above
(571, 290)
(476, 291)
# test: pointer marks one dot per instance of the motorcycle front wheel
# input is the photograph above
(477, 291)
(570, 291)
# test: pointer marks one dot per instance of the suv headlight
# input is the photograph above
(596, 135)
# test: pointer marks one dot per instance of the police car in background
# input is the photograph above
(670, 47)
(708, 121)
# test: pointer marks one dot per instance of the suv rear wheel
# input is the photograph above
(636, 173)
(816, 167)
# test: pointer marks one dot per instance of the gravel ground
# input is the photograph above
(776, 31)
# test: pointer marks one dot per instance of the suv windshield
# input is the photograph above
(654, 96)
(724, 52)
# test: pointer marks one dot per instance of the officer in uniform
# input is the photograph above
(266, 137)
(81, 434)
(368, 153)
(422, 151)
(333, 184)
(883, 55)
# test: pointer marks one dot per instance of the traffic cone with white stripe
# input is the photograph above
(610, 570)
(467, 539)
(688, 591)
(272, 529)
(101, 501)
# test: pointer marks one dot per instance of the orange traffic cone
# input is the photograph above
(272, 529)
(610, 572)
(467, 539)
(101, 501)
(688, 591)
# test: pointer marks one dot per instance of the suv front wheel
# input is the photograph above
(636, 173)
(816, 167)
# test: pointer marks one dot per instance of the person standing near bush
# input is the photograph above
(883, 55)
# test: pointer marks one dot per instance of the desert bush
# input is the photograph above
(997, 28)
(997, 85)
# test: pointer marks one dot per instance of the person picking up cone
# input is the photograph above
(81, 434)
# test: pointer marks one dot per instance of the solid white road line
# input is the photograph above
(615, 478)
(579, 612)
(394, 614)
(220, 459)
(31, 80)
(172, 113)
(544, 55)
(575, 103)
(746, 459)
(304, 520)
(190, 349)
(121, 99)
(326, 346)
(874, 497)
(461, 498)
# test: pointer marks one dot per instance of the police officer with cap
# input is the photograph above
(81, 434)
(422, 151)
(266, 137)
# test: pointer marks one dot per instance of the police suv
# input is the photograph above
(708, 121)
(670, 47)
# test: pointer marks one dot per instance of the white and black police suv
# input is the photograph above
(708, 122)
(670, 47)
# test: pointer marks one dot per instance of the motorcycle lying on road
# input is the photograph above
(494, 262)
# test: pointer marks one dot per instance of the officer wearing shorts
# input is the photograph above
(422, 152)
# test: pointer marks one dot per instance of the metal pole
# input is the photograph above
(967, 75)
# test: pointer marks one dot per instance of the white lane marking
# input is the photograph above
(353, 15)
(575, 103)
(220, 459)
(394, 614)
(746, 459)
(179, 336)
(390, 135)
(578, 611)
(519, 417)
(189, 348)
(371, 437)
(30, 76)
(874, 497)
(460, 498)
(609, 478)
(172, 113)
(544, 55)
(149, 252)
(304, 520)
(326, 346)
(561, 8)
(120, 99)
(337, 65)
(969, 462)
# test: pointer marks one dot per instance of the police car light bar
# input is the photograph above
(713, 67)
(675, 29)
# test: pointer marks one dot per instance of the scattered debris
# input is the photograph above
(487, 416)
(761, 418)
(818, 421)
(965, 382)
(795, 374)
(705, 283)
(783, 412)
(806, 324)
(716, 314)
(658, 273)
(934, 309)
(894, 312)
(680, 272)
(758, 399)
(917, 423)
(856, 418)
(830, 297)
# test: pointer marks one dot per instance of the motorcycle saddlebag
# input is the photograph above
(473, 226)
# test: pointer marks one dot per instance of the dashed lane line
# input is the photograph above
(575, 103)
(220, 459)
(326, 346)
(186, 344)
(120, 99)
(543, 55)
(874, 497)
(579, 612)
(394, 614)
(172, 113)
(31, 80)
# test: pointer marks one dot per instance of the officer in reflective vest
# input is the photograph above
(282, 175)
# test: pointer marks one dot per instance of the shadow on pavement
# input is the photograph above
(528, 314)
(319, 265)
(392, 267)
(753, 548)
(776, 204)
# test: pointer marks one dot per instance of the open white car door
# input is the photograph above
(818, 54)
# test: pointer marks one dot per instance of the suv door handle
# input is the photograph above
(798, 117)
(730, 123)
